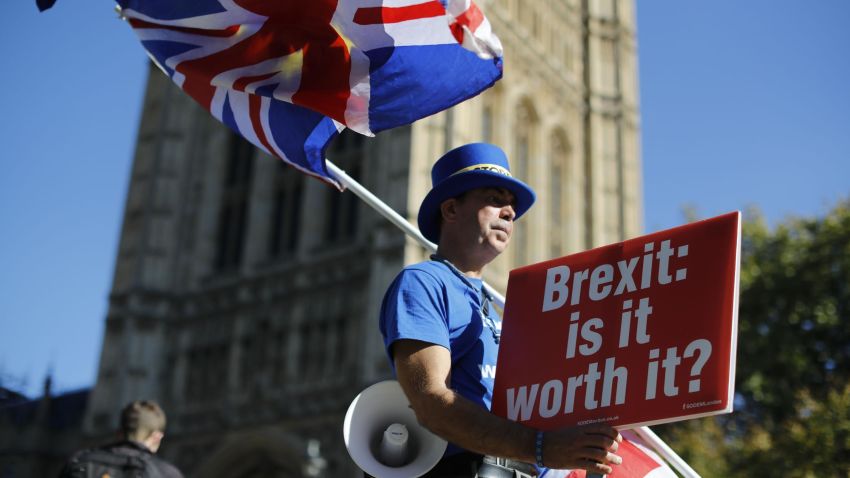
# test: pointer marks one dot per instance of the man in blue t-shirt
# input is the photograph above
(442, 335)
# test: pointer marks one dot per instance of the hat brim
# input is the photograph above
(429, 210)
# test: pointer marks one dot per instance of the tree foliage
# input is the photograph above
(792, 407)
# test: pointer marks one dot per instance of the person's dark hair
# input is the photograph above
(141, 418)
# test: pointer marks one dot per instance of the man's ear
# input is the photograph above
(448, 210)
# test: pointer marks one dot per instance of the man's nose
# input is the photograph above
(508, 213)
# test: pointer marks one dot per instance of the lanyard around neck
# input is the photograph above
(484, 309)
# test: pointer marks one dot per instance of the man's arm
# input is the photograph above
(424, 369)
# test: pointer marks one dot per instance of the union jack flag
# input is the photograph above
(288, 75)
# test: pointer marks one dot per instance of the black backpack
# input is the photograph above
(106, 463)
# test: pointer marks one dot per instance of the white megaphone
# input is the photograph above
(383, 437)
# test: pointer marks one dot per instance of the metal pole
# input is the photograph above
(383, 209)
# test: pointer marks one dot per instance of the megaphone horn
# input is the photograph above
(383, 437)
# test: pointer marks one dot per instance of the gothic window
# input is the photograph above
(522, 154)
(344, 345)
(257, 355)
(536, 27)
(526, 123)
(520, 242)
(304, 355)
(332, 362)
(247, 360)
(341, 213)
(487, 124)
(607, 71)
(612, 219)
(491, 117)
(207, 364)
(319, 352)
(280, 342)
(217, 370)
(559, 159)
(286, 211)
(233, 213)
(524, 17)
(192, 385)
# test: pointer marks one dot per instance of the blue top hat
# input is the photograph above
(476, 165)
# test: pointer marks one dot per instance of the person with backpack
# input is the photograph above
(134, 456)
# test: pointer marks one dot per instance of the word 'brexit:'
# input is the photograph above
(559, 279)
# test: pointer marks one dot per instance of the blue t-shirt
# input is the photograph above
(430, 303)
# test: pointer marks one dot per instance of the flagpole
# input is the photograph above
(383, 209)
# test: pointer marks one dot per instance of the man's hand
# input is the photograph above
(589, 447)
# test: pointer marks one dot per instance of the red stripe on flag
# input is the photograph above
(254, 104)
(325, 85)
(472, 18)
(241, 83)
(382, 15)
(202, 91)
(227, 32)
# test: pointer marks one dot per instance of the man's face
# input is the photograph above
(488, 216)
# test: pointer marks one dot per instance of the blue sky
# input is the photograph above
(743, 104)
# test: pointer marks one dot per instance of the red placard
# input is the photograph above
(631, 334)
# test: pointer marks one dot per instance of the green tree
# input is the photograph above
(792, 404)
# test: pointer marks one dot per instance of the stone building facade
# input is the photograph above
(245, 294)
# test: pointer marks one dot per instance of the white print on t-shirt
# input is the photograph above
(488, 371)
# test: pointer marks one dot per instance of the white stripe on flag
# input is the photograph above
(239, 104)
(357, 107)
